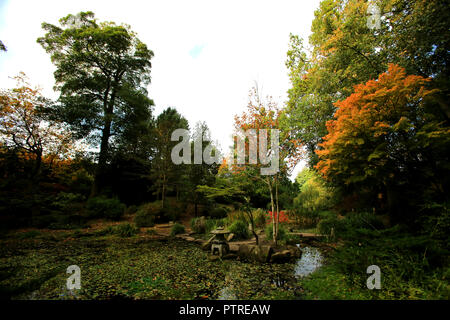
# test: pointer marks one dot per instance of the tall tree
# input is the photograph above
(201, 173)
(165, 172)
(384, 137)
(102, 70)
(265, 115)
(346, 51)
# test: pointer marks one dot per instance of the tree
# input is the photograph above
(101, 72)
(24, 127)
(167, 174)
(261, 115)
(314, 194)
(201, 173)
(384, 137)
(345, 52)
(2, 46)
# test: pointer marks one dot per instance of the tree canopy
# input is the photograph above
(102, 70)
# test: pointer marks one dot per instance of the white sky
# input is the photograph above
(208, 54)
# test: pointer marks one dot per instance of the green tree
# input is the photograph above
(202, 173)
(168, 175)
(345, 52)
(101, 72)
(2, 46)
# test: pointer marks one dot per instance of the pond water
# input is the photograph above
(309, 262)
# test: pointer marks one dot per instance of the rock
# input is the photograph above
(207, 245)
(230, 236)
(281, 256)
(213, 258)
(295, 252)
(230, 256)
(256, 253)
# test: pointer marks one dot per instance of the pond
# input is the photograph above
(310, 261)
(282, 276)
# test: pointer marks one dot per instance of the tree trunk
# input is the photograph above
(103, 156)
(276, 202)
(163, 191)
(274, 235)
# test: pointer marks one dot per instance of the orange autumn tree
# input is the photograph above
(23, 127)
(381, 132)
(266, 115)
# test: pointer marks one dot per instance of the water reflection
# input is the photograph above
(281, 276)
(310, 261)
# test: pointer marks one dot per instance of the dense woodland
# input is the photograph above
(368, 110)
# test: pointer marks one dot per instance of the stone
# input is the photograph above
(230, 236)
(295, 252)
(207, 245)
(230, 256)
(213, 258)
(255, 253)
(281, 256)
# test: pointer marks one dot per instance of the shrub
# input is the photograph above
(126, 230)
(237, 216)
(177, 229)
(327, 224)
(105, 231)
(68, 202)
(198, 225)
(364, 220)
(240, 229)
(102, 207)
(145, 216)
(132, 209)
(171, 212)
(282, 232)
(259, 216)
(218, 212)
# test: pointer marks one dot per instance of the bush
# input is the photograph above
(325, 225)
(171, 212)
(259, 216)
(282, 232)
(364, 220)
(177, 229)
(203, 226)
(68, 202)
(146, 214)
(132, 209)
(240, 230)
(218, 213)
(198, 225)
(126, 230)
(102, 207)
(237, 216)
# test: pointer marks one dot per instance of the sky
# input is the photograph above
(207, 54)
